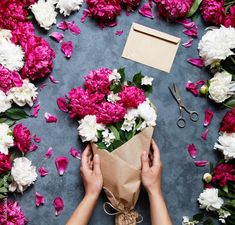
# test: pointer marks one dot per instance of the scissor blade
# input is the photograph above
(174, 94)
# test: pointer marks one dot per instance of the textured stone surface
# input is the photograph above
(95, 48)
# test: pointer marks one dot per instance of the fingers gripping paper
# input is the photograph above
(121, 170)
(151, 47)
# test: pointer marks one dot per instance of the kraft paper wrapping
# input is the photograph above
(121, 171)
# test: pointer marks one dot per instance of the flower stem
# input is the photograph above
(227, 106)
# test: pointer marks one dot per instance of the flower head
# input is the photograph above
(5, 163)
(147, 80)
(229, 20)
(5, 102)
(6, 138)
(68, 6)
(129, 120)
(108, 137)
(228, 122)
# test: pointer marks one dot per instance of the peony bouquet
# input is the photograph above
(116, 116)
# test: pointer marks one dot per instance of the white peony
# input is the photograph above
(11, 55)
(147, 80)
(113, 97)
(226, 144)
(68, 6)
(5, 34)
(44, 12)
(108, 137)
(129, 120)
(187, 221)
(23, 173)
(115, 76)
(5, 102)
(221, 87)
(223, 214)
(6, 138)
(216, 45)
(23, 95)
(210, 200)
(148, 113)
(88, 128)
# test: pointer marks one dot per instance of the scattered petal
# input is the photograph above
(196, 62)
(42, 86)
(146, 10)
(75, 153)
(74, 29)
(36, 109)
(204, 134)
(61, 164)
(57, 36)
(62, 104)
(192, 151)
(200, 82)
(39, 199)
(33, 148)
(50, 118)
(49, 153)
(201, 163)
(85, 13)
(188, 43)
(128, 13)
(208, 117)
(42, 171)
(67, 48)
(62, 25)
(53, 80)
(190, 86)
(59, 205)
(119, 32)
(36, 138)
(191, 32)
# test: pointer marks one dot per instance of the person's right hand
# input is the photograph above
(151, 170)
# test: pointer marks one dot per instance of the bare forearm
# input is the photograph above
(83, 212)
(158, 210)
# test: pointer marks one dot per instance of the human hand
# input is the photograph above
(91, 173)
(151, 170)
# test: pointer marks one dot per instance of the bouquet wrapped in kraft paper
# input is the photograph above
(117, 117)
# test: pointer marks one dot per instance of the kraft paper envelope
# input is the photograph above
(151, 47)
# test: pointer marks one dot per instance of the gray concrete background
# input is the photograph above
(95, 48)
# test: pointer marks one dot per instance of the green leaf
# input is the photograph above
(225, 189)
(116, 144)
(123, 75)
(2, 196)
(128, 135)
(117, 88)
(101, 145)
(115, 132)
(10, 122)
(147, 89)
(194, 8)
(16, 114)
(199, 217)
(208, 222)
(211, 167)
(230, 103)
(137, 78)
(3, 190)
(3, 119)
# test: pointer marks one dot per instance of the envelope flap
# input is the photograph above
(155, 33)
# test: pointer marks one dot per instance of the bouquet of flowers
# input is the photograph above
(218, 195)
(118, 119)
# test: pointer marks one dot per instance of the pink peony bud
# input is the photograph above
(204, 89)
(207, 177)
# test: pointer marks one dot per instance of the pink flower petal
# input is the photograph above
(61, 164)
(42, 86)
(119, 32)
(187, 23)
(208, 117)
(191, 32)
(188, 43)
(36, 109)
(50, 118)
(49, 153)
(74, 29)
(201, 163)
(146, 10)
(59, 205)
(200, 82)
(85, 14)
(67, 48)
(62, 25)
(33, 148)
(204, 134)
(183, 21)
(39, 199)
(53, 80)
(62, 104)
(36, 138)
(192, 151)
(57, 36)
(196, 62)
(190, 86)
(75, 153)
(42, 171)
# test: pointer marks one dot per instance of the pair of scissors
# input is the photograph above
(181, 122)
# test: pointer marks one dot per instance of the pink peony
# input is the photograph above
(15, 215)
(131, 96)
(131, 4)
(173, 9)
(5, 163)
(38, 58)
(105, 11)
(9, 79)
(28, 3)
(223, 173)
(212, 11)
(228, 122)
(22, 138)
(230, 18)
(81, 103)
(110, 113)
(98, 81)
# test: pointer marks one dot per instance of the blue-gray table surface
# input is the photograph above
(95, 48)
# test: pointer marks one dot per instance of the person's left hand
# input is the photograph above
(91, 173)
